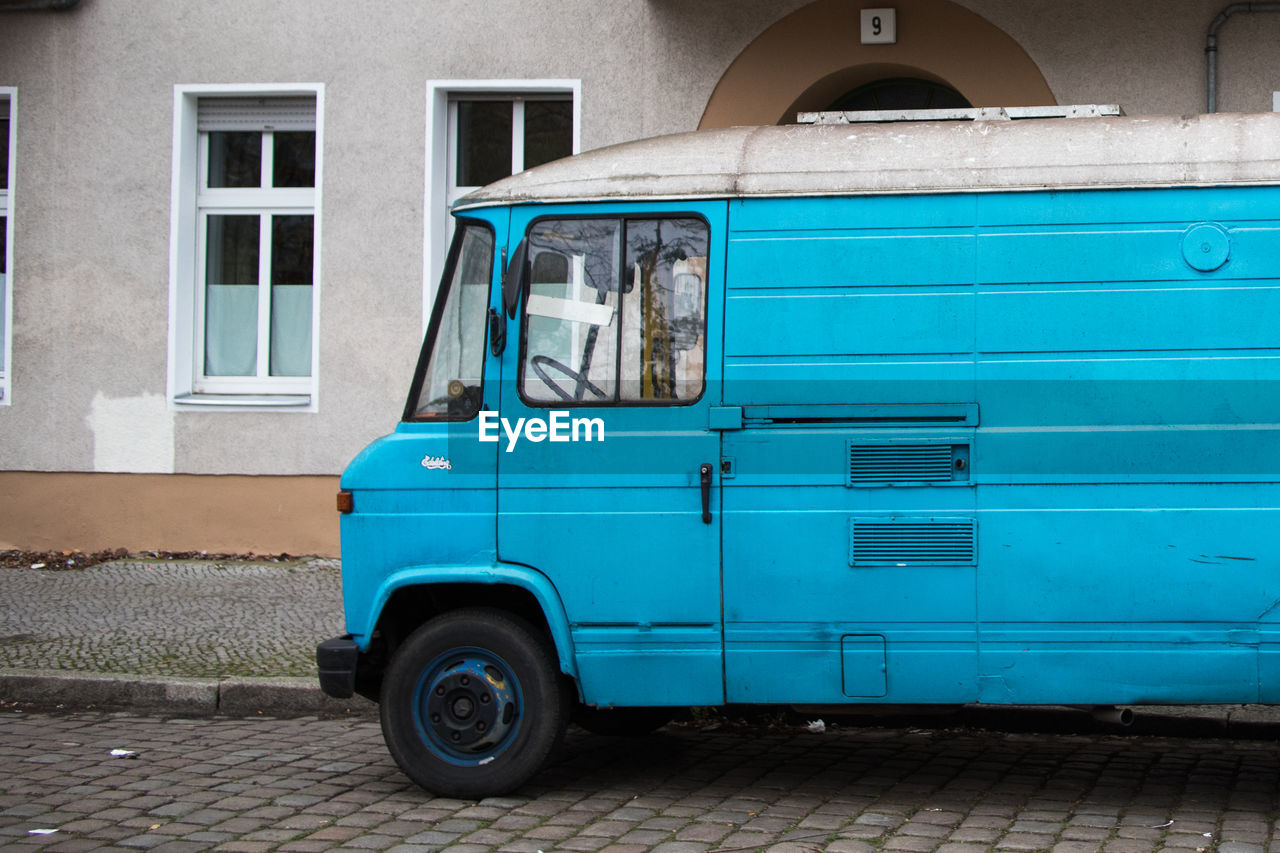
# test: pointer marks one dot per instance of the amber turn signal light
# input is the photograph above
(346, 501)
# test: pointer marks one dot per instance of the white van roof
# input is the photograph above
(914, 158)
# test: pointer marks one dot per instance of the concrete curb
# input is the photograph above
(301, 697)
(188, 697)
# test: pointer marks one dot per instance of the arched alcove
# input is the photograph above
(807, 60)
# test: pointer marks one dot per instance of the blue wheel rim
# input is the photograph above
(468, 706)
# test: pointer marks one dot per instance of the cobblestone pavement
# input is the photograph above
(311, 785)
(201, 619)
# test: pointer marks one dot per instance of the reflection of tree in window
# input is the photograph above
(662, 255)
(590, 238)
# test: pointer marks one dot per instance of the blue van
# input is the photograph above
(948, 412)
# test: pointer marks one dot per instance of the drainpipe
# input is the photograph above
(1211, 43)
(37, 5)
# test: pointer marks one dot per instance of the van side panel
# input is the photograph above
(1107, 539)
(1127, 455)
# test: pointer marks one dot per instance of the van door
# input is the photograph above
(606, 464)
(850, 525)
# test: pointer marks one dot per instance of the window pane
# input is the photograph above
(4, 146)
(235, 158)
(665, 343)
(548, 131)
(571, 322)
(231, 296)
(292, 240)
(484, 142)
(452, 385)
(233, 249)
(294, 158)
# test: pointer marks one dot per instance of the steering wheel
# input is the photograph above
(539, 363)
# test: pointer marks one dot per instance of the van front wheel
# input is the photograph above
(472, 705)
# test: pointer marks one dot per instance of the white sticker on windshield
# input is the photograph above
(571, 310)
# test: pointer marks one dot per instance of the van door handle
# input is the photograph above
(704, 475)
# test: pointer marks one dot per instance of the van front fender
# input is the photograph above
(522, 577)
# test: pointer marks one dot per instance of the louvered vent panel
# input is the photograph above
(884, 541)
(888, 463)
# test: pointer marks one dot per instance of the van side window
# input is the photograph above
(615, 312)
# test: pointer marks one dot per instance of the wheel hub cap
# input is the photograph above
(470, 705)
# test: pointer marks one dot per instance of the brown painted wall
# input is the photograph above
(168, 512)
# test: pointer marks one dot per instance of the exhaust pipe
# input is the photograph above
(1113, 716)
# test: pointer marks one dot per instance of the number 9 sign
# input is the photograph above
(879, 26)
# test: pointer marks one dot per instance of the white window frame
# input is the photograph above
(8, 103)
(190, 205)
(440, 190)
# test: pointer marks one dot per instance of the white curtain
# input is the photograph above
(231, 329)
(291, 330)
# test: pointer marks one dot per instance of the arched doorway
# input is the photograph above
(899, 93)
(812, 58)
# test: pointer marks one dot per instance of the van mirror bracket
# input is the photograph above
(513, 278)
(497, 332)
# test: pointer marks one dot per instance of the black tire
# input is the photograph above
(472, 703)
(622, 722)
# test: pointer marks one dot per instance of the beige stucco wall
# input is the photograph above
(1146, 56)
(92, 205)
(92, 197)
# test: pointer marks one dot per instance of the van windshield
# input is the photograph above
(450, 370)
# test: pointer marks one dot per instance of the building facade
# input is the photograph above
(223, 221)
